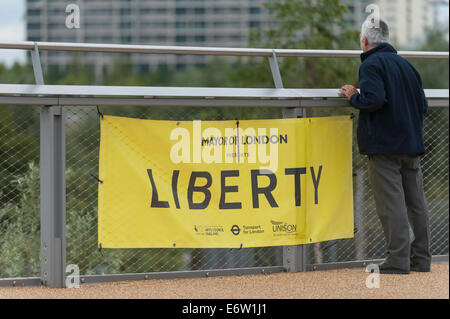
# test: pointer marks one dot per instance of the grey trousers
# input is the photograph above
(397, 186)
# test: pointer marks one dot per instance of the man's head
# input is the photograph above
(374, 33)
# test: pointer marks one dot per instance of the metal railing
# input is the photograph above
(42, 232)
(129, 48)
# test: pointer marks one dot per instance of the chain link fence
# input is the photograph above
(19, 197)
(19, 192)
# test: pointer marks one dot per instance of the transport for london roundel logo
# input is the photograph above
(235, 230)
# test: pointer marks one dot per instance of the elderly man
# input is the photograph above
(392, 104)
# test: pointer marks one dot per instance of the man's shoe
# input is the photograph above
(388, 269)
(420, 269)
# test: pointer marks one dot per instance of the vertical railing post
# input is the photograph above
(52, 188)
(53, 199)
(276, 75)
(37, 67)
(294, 257)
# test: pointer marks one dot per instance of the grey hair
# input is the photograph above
(376, 31)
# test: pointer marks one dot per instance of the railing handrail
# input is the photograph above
(182, 92)
(192, 50)
(88, 95)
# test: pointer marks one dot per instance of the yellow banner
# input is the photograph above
(224, 184)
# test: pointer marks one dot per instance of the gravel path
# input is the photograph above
(344, 283)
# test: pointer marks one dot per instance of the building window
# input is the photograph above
(199, 24)
(125, 25)
(34, 12)
(199, 38)
(153, 10)
(34, 26)
(125, 11)
(180, 38)
(254, 24)
(219, 10)
(107, 39)
(180, 25)
(161, 38)
(199, 10)
(180, 66)
(162, 66)
(144, 68)
(125, 39)
(98, 24)
(52, 26)
(99, 11)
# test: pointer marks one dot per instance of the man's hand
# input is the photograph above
(348, 90)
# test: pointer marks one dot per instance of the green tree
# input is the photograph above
(19, 228)
(303, 24)
(434, 72)
(435, 75)
(19, 146)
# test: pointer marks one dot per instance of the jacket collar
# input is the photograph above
(384, 47)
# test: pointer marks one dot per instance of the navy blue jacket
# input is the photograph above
(391, 103)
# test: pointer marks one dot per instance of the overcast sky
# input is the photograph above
(12, 27)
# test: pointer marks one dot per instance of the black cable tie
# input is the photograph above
(100, 249)
(99, 113)
(238, 151)
(98, 180)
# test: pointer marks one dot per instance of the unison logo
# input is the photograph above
(283, 227)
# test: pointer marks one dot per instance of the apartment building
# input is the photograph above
(223, 23)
